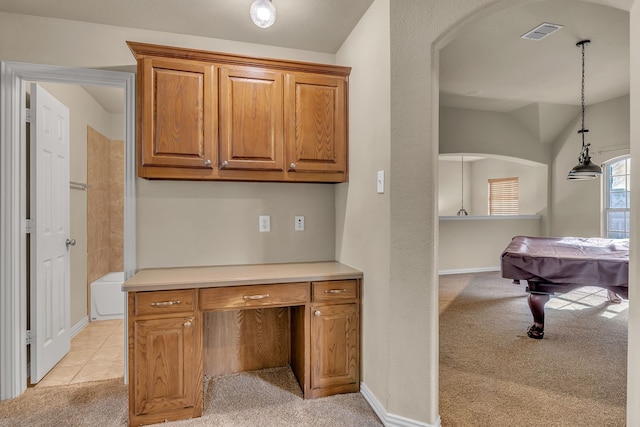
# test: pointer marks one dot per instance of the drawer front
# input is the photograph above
(335, 290)
(164, 302)
(238, 297)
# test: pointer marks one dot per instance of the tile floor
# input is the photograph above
(97, 353)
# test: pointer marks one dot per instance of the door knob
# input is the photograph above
(70, 242)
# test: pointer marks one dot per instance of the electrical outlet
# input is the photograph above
(298, 223)
(264, 223)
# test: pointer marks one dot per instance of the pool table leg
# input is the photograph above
(536, 304)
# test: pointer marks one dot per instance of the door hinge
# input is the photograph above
(27, 115)
(28, 226)
(28, 338)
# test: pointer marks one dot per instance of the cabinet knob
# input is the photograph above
(207, 162)
(317, 313)
(292, 166)
(224, 164)
(187, 324)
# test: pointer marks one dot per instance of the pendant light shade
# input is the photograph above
(263, 13)
(584, 169)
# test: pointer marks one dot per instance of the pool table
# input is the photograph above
(561, 264)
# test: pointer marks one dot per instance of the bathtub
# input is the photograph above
(107, 298)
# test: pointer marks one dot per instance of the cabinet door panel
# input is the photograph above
(251, 119)
(164, 364)
(178, 116)
(335, 352)
(316, 133)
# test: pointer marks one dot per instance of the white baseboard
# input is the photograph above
(468, 270)
(83, 323)
(390, 420)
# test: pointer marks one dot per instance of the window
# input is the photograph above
(503, 196)
(617, 191)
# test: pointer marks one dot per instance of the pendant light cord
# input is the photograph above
(462, 211)
(462, 183)
(582, 93)
(584, 169)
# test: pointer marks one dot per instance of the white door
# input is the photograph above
(50, 282)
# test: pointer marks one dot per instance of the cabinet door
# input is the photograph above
(164, 363)
(251, 119)
(178, 114)
(316, 123)
(335, 345)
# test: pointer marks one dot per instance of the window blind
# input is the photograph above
(503, 196)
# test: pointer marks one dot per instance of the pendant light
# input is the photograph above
(263, 13)
(462, 211)
(584, 169)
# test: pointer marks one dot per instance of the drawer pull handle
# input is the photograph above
(165, 303)
(335, 291)
(253, 297)
(187, 324)
(317, 313)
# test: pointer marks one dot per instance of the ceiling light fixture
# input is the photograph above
(584, 169)
(263, 13)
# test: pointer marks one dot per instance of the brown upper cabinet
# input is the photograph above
(215, 116)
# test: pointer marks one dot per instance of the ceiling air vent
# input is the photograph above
(541, 31)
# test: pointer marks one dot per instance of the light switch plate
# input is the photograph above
(264, 223)
(380, 182)
(298, 223)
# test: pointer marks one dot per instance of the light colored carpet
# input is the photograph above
(269, 397)
(492, 374)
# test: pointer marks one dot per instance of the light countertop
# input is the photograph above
(154, 279)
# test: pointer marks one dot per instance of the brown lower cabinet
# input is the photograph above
(165, 356)
(314, 328)
(334, 353)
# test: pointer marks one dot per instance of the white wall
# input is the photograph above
(451, 194)
(475, 244)
(216, 223)
(576, 205)
(486, 132)
(532, 182)
(633, 368)
(362, 215)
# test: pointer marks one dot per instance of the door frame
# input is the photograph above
(13, 249)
